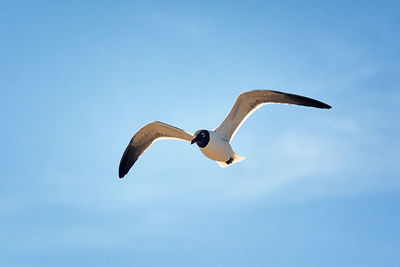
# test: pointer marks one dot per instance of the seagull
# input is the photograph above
(214, 144)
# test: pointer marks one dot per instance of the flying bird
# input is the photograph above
(214, 144)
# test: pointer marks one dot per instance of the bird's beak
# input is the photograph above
(193, 141)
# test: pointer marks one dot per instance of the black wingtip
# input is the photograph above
(122, 170)
(326, 106)
(316, 103)
(305, 101)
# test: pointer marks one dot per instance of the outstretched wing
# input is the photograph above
(143, 138)
(248, 102)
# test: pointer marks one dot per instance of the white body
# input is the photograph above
(220, 150)
(217, 148)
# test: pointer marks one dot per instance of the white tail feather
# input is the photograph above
(236, 158)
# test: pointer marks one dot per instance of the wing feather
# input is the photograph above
(250, 101)
(142, 140)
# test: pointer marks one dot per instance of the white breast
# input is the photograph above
(217, 148)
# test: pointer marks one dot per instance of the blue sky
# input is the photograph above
(317, 188)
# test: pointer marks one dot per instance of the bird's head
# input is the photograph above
(202, 137)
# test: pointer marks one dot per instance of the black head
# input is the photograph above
(202, 137)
